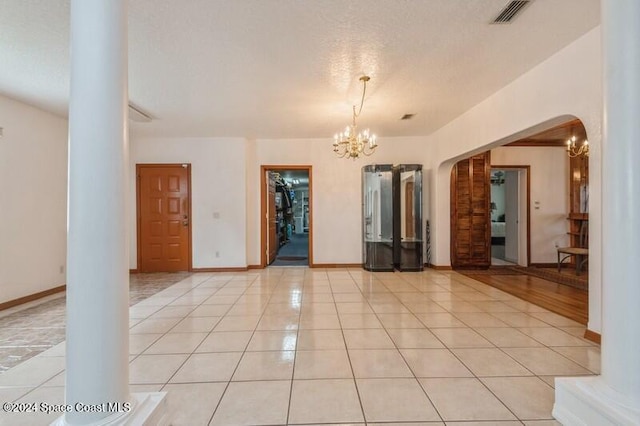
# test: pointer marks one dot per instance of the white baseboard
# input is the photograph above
(588, 401)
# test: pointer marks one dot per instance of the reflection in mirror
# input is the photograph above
(377, 217)
(408, 249)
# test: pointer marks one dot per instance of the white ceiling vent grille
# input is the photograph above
(510, 11)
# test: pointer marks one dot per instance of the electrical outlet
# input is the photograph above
(62, 269)
(217, 254)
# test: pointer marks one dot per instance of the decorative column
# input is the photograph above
(614, 397)
(97, 351)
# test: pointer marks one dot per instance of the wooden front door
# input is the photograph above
(470, 214)
(272, 220)
(163, 217)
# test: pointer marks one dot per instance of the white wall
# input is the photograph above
(336, 191)
(218, 182)
(33, 224)
(567, 85)
(226, 179)
(549, 195)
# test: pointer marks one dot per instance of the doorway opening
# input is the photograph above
(163, 202)
(286, 216)
(509, 209)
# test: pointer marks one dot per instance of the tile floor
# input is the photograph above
(28, 330)
(309, 346)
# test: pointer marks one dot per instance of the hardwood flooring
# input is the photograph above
(567, 301)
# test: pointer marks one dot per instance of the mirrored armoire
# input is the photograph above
(392, 217)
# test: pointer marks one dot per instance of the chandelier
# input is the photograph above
(351, 143)
(576, 151)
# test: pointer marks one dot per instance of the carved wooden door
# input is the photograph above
(470, 214)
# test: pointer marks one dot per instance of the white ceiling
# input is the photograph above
(290, 68)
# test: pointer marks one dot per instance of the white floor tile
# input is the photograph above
(146, 369)
(176, 343)
(272, 365)
(225, 341)
(464, 399)
(546, 362)
(434, 363)
(378, 363)
(325, 364)
(208, 367)
(273, 341)
(485, 362)
(395, 400)
(528, 397)
(192, 404)
(414, 338)
(320, 339)
(318, 346)
(368, 339)
(32, 372)
(253, 403)
(325, 401)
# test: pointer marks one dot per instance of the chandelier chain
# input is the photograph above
(364, 90)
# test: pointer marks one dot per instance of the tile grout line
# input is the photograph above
(243, 352)
(295, 352)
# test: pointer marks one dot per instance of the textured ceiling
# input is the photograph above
(290, 68)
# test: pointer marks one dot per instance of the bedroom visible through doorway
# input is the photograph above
(509, 216)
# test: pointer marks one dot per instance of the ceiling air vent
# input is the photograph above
(510, 11)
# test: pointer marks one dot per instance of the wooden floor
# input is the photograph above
(561, 299)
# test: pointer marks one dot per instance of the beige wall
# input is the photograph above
(218, 185)
(225, 174)
(549, 196)
(337, 234)
(33, 213)
(565, 86)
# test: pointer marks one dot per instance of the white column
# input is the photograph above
(621, 196)
(97, 278)
(614, 397)
(97, 352)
